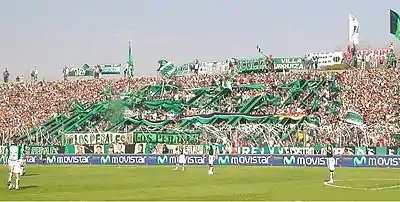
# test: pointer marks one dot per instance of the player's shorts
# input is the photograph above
(15, 167)
(211, 160)
(182, 159)
(331, 163)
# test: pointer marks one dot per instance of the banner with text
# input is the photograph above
(259, 64)
(241, 160)
(98, 138)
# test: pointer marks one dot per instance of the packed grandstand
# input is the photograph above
(298, 103)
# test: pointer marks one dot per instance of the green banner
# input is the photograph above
(258, 64)
(88, 71)
(289, 63)
(110, 68)
(169, 138)
(80, 72)
(183, 69)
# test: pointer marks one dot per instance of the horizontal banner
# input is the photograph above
(152, 148)
(347, 150)
(242, 160)
(98, 138)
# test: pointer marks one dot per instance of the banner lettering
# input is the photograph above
(98, 138)
(260, 63)
(110, 68)
(289, 63)
(244, 160)
(48, 149)
(166, 138)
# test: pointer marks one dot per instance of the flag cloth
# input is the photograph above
(131, 67)
(354, 29)
(354, 118)
(395, 24)
(166, 69)
(259, 49)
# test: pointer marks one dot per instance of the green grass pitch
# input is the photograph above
(228, 183)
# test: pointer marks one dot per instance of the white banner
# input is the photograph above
(213, 67)
(188, 149)
(327, 58)
(374, 52)
(98, 138)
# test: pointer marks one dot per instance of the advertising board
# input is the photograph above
(222, 160)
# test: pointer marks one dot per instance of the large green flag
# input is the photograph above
(395, 24)
(354, 118)
(167, 69)
(131, 67)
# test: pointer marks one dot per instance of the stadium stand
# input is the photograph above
(302, 107)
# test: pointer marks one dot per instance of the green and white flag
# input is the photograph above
(131, 67)
(166, 69)
(354, 118)
(395, 24)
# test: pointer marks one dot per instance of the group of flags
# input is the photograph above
(354, 27)
(167, 69)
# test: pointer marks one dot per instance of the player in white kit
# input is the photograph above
(211, 158)
(13, 155)
(330, 160)
(181, 157)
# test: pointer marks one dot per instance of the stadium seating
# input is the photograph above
(318, 98)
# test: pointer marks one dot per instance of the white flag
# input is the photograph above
(354, 29)
(259, 49)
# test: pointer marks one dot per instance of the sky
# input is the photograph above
(50, 34)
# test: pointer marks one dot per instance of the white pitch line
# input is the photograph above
(343, 187)
(365, 189)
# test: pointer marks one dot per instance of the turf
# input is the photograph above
(228, 183)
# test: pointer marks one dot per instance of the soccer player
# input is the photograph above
(24, 158)
(181, 157)
(330, 160)
(14, 157)
(211, 159)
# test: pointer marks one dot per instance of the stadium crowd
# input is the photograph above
(374, 93)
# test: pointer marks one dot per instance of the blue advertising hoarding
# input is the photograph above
(222, 160)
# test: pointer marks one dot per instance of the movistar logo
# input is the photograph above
(223, 160)
(359, 161)
(162, 159)
(51, 159)
(105, 159)
(289, 161)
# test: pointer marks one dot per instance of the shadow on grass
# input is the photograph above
(29, 187)
(30, 174)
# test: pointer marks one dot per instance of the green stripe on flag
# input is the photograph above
(395, 24)
(354, 118)
(167, 69)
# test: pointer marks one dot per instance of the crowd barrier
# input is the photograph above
(238, 160)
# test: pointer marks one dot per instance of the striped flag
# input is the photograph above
(166, 69)
(354, 118)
